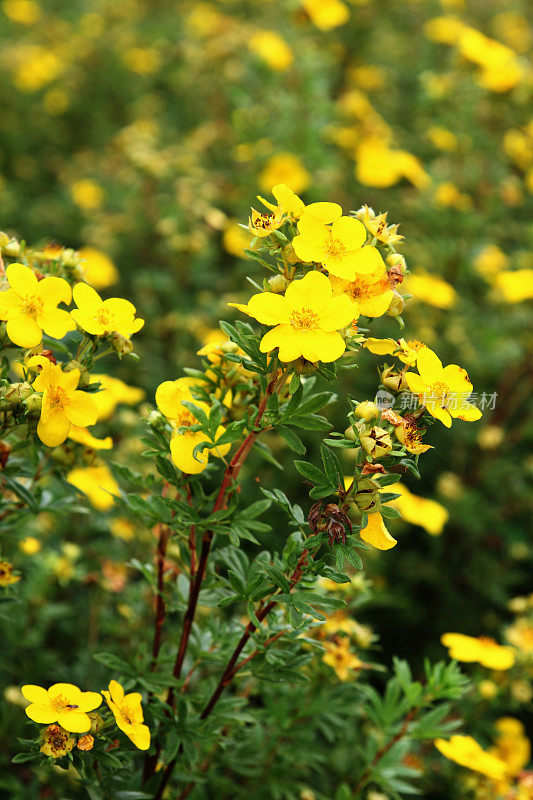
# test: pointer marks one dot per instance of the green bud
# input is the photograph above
(396, 305)
(377, 442)
(366, 410)
(278, 284)
(121, 344)
(4, 239)
(12, 248)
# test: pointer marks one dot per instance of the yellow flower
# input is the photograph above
(97, 483)
(112, 392)
(447, 194)
(235, 239)
(62, 405)
(98, 269)
(337, 246)
(464, 750)
(327, 14)
(520, 635)
(379, 165)
(515, 286)
(63, 703)
(122, 528)
(482, 649)
(169, 397)
(38, 66)
(56, 742)
(512, 745)
(272, 49)
(490, 260)
(128, 714)
(6, 574)
(82, 436)
(442, 390)
(442, 138)
(87, 194)
(339, 657)
(25, 12)
(376, 534)
(100, 317)
(288, 202)
(409, 435)
(371, 294)
(405, 351)
(307, 319)
(30, 545)
(285, 168)
(427, 513)
(30, 306)
(377, 225)
(431, 290)
(263, 224)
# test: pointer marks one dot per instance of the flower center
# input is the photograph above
(32, 305)
(264, 221)
(185, 417)
(305, 319)
(334, 247)
(58, 398)
(439, 391)
(414, 344)
(103, 317)
(362, 290)
(59, 703)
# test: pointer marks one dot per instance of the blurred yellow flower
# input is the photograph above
(82, 436)
(122, 528)
(442, 390)
(285, 168)
(35, 67)
(520, 635)
(235, 239)
(25, 12)
(512, 745)
(112, 393)
(30, 306)
(306, 319)
(272, 49)
(423, 511)
(442, 138)
(30, 545)
(431, 290)
(490, 260)
(327, 14)
(128, 714)
(514, 286)
(98, 269)
(63, 703)
(482, 649)
(97, 483)
(100, 317)
(448, 195)
(339, 656)
(380, 166)
(464, 750)
(142, 60)
(87, 194)
(63, 405)
(376, 534)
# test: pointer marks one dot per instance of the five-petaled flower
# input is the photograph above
(63, 405)
(334, 241)
(128, 714)
(169, 397)
(56, 742)
(30, 307)
(100, 317)
(288, 202)
(442, 390)
(370, 294)
(464, 750)
(339, 656)
(63, 703)
(307, 319)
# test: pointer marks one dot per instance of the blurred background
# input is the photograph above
(141, 132)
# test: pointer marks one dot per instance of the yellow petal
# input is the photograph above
(376, 534)
(457, 379)
(381, 347)
(168, 399)
(365, 261)
(35, 694)
(140, 736)
(286, 338)
(86, 298)
(116, 691)
(181, 449)
(415, 383)
(268, 308)
(21, 279)
(81, 409)
(74, 721)
(89, 701)
(339, 313)
(325, 212)
(56, 323)
(312, 292)
(318, 345)
(88, 322)
(429, 366)
(350, 231)
(10, 304)
(53, 291)
(468, 412)
(24, 331)
(41, 713)
(54, 430)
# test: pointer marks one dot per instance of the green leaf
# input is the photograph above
(311, 473)
(294, 441)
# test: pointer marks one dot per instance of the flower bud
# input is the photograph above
(350, 434)
(393, 380)
(33, 403)
(156, 420)
(303, 367)
(396, 260)
(17, 392)
(377, 442)
(278, 284)
(366, 410)
(121, 344)
(4, 239)
(487, 689)
(396, 305)
(85, 377)
(366, 496)
(365, 212)
(70, 258)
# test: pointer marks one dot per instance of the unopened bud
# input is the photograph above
(85, 377)
(365, 212)
(366, 496)
(366, 410)
(278, 284)
(396, 260)
(156, 420)
(4, 239)
(303, 367)
(12, 248)
(393, 380)
(349, 433)
(17, 392)
(33, 403)
(70, 258)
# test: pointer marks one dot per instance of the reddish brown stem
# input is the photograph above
(363, 780)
